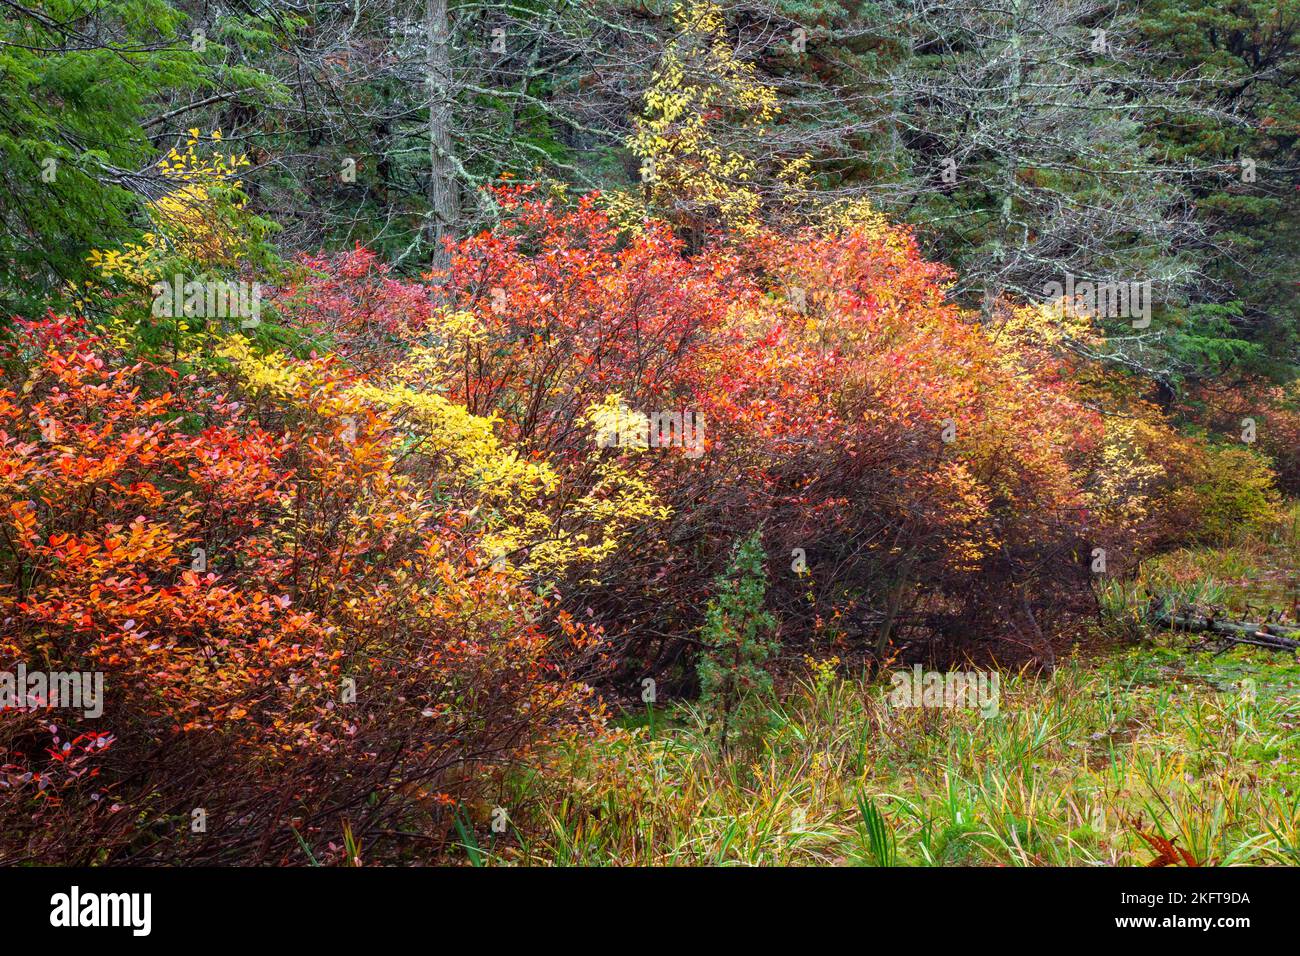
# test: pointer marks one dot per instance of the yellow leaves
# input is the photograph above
(514, 493)
(468, 441)
(445, 338)
(698, 82)
(615, 425)
(189, 221)
(132, 263)
(189, 167)
(967, 513)
(1235, 489)
(522, 510)
(1126, 473)
(851, 215)
(1045, 325)
(270, 372)
(460, 327)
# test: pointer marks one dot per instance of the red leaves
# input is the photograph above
(110, 500)
(227, 570)
(1167, 854)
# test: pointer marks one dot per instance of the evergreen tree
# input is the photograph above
(738, 638)
(82, 81)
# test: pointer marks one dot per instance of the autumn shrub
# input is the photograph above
(1174, 489)
(937, 475)
(344, 576)
(291, 601)
(351, 571)
(1236, 493)
(933, 474)
(1263, 415)
(550, 319)
(202, 232)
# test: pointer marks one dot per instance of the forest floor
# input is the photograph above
(1159, 747)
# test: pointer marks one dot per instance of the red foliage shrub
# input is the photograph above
(292, 628)
(827, 367)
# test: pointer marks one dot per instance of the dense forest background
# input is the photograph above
(1128, 141)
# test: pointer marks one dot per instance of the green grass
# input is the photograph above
(1260, 571)
(1157, 737)
(1200, 749)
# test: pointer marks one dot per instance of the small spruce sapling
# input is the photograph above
(739, 638)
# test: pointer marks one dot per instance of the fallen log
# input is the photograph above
(1275, 637)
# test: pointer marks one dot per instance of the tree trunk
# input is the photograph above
(1010, 161)
(891, 610)
(444, 207)
(1275, 637)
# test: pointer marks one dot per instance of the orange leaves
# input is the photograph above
(334, 560)
(23, 514)
(238, 557)
(110, 502)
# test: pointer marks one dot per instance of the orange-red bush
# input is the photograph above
(292, 624)
(828, 367)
